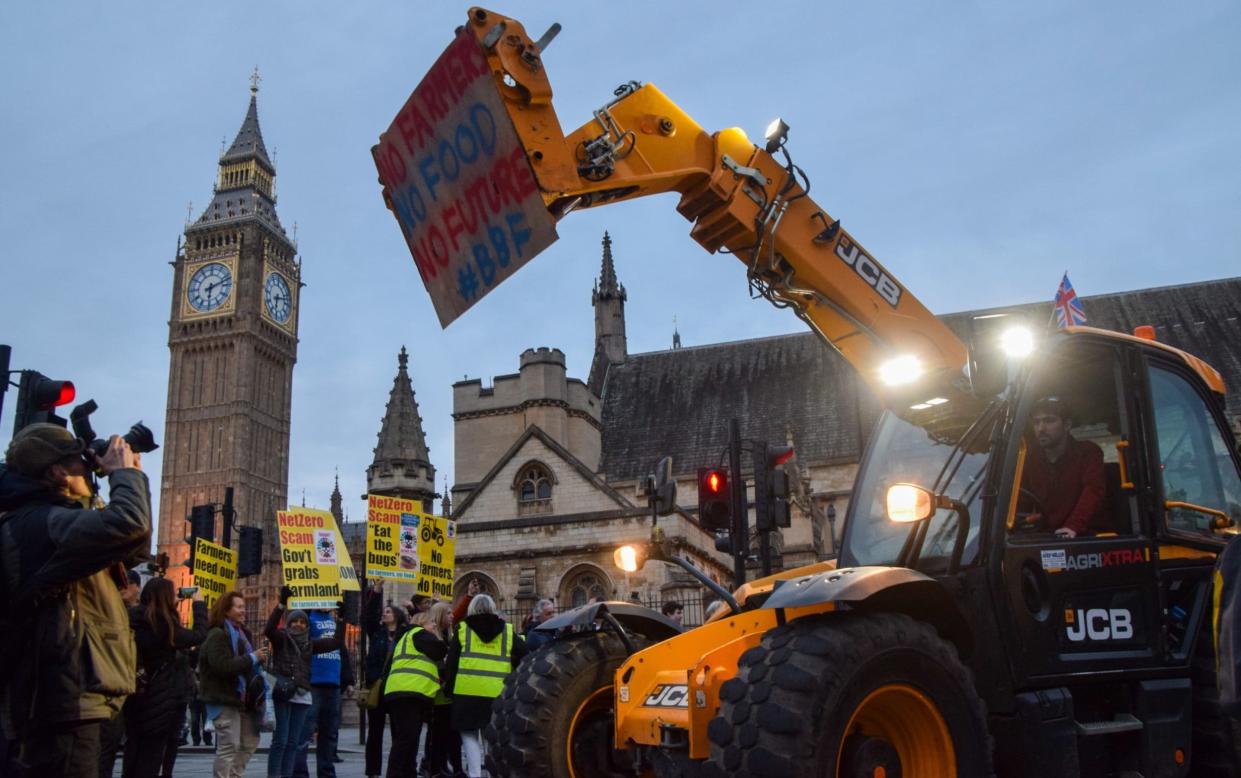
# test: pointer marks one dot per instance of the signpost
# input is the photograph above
(458, 181)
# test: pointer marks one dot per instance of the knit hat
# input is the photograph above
(296, 614)
(36, 447)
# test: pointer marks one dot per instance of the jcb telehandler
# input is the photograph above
(956, 635)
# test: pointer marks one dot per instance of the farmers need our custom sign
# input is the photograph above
(313, 558)
(215, 570)
(459, 183)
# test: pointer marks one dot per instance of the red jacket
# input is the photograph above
(1070, 490)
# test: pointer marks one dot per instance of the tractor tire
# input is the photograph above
(555, 717)
(1216, 738)
(851, 695)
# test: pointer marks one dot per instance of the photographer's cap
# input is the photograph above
(36, 447)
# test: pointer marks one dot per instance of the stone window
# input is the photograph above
(534, 489)
(584, 587)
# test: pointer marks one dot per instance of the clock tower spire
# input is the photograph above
(232, 334)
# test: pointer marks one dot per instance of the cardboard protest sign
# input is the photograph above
(459, 182)
(392, 538)
(437, 556)
(215, 570)
(311, 553)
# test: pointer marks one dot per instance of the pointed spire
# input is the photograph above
(446, 501)
(337, 501)
(249, 140)
(607, 287)
(246, 178)
(401, 436)
(676, 335)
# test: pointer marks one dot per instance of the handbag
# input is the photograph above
(283, 689)
(375, 695)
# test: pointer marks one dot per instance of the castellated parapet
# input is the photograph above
(489, 419)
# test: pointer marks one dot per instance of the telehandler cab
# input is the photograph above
(956, 634)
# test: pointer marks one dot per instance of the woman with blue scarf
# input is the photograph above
(226, 662)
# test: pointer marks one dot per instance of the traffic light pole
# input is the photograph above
(228, 517)
(5, 353)
(741, 523)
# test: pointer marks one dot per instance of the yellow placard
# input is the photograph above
(215, 570)
(312, 556)
(392, 538)
(437, 556)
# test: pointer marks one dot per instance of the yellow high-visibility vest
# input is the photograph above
(484, 665)
(412, 670)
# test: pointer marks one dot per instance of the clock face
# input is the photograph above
(277, 298)
(209, 287)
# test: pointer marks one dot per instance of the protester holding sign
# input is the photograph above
(292, 648)
(155, 712)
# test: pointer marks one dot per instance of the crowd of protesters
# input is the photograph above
(93, 659)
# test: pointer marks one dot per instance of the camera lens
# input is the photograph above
(140, 439)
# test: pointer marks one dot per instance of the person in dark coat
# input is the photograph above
(292, 649)
(226, 662)
(59, 567)
(471, 712)
(155, 713)
(384, 624)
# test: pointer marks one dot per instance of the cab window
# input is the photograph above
(1075, 432)
(1200, 482)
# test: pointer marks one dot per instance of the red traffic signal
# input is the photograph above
(38, 396)
(714, 498)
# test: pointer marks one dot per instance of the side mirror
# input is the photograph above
(664, 488)
(907, 503)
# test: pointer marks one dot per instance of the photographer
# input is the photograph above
(67, 655)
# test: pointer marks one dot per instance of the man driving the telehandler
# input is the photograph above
(1065, 476)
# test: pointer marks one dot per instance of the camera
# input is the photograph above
(139, 437)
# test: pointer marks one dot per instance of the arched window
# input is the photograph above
(586, 585)
(534, 488)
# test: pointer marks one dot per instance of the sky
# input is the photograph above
(977, 149)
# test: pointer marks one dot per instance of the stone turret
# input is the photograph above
(402, 466)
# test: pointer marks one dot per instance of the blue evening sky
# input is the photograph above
(978, 149)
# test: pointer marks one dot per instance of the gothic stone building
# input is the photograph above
(232, 337)
(548, 468)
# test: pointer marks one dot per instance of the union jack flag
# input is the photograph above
(1068, 308)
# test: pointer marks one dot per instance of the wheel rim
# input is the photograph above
(589, 729)
(896, 721)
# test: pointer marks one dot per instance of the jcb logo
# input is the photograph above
(1098, 624)
(868, 270)
(671, 696)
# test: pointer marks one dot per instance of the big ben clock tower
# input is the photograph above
(233, 341)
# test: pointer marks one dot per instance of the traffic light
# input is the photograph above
(249, 551)
(714, 498)
(202, 525)
(38, 397)
(771, 486)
